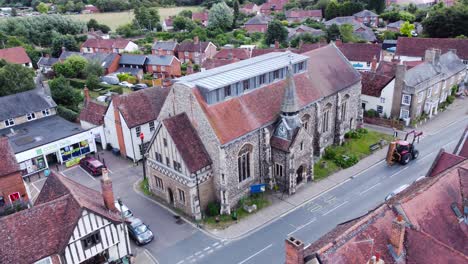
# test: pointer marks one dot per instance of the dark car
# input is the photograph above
(92, 166)
(139, 86)
(138, 231)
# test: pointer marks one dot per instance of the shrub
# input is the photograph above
(77, 83)
(450, 99)
(346, 161)
(372, 113)
(117, 89)
(454, 89)
(362, 130)
(66, 113)
(213, 209)
(330, 153)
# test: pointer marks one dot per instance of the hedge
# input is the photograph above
(66, 113)
(77, 83)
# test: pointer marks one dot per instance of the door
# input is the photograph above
(300, 174)
(171, 196)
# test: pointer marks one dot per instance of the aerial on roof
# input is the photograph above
(416, 47)
(7, 158)
(165, 45)
(16, 55)
(24, 103)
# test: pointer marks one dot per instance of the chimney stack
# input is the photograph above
(86, 95)
(294, 251)
(374, 64)
(276, 44)
(160, 51)
(397, 236)
(432, 56)
(398, 89)
(196, 40)
(107, 193)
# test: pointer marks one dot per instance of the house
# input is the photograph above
(12, 189)
(258, 23)
(418, 3)
(421, 89)
(298, 16)
(212, 63)
(97, 34)
(167, 24)
(128, 115)
(250, 9)
(90, 9)
(378, 89)
(425, 223)
(259, 120)
(361, 55)
(272, 6)
(108, 46)
(303, 29)
(16, 55)
(359, 29)
(136, 61)
(196, 51)
(69, 223)
(395, 26)
(38, 136)
(45, 63)
(108, 61)
(92, 118)
(166, 47)
(201, 17)
(368, 18)
(413, 49)
(224, 57)
(163, 66)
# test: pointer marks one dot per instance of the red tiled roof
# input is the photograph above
(444, 161)
(8, 162)
(142, 106)
(15, 55)
(280, 143)
(106, 43)
(416, 47)
(462, 146)
(360, 51)
(237, 53)
(276, 4)
(310, 46)
(303, 13)
(248, 6)
(188, 142)
(213, 63)
(93, 113)
(327, 73)
(373, 83)
(190, 46)
(202, 16)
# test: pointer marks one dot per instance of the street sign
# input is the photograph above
(258, 188)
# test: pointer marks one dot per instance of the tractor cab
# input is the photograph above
(403, 151)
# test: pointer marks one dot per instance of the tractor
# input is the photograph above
(403, 151)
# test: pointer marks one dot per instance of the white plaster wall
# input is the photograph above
(387, 93)
(109, 127)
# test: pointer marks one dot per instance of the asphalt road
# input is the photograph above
(185, 243)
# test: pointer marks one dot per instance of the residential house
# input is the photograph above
(16, 55)
(90, 9)
(359, 29)
(361, 55)
(303, 29)
(69, 223)
(378, 88)
(166, 47)
(259, 120)
(92, 118)
(272, 6)
(137, 61)
(201, 17)
(418, 3)
(108, 61)
(108, 46)
(163, 66)
(298, 16)
(38, 136)
(12, 187)
(413, 49)
(211, 64)
(128, 115)
(258, 23)
(45, 63)
(421, 89)
(196, 51)
(226, 56)
(395, 26)
(368, 18)
(97, 34)
(425, 223)
(250, 9)
(167, 24)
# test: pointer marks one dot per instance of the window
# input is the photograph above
(186, 53)
(344, 107)
(300, 66)
(379, 109)
(155, 68)
(420, 96)
(45, 112)
(302, 146)
(305, 122)
(137, 131)
(9, 122)
(181, 196)
(158, 156)
(159, 183)
(91, 240)
(382, 100)
(404, 113)
(177, 166)
(163, 68)
(368, 64)
(429, 92)
(246, 85)
(262, 79)
(31, 116)
(227, 91)
(406, 100)
(325, 119)
(168, 162)
(243, 162)
(151, 125)
(276, 74)
(47, 260)
(278, 170)
(165, 142)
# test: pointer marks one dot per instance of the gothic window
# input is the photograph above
(181, 196)
(243, 162)
(326, 118)
(344, 108)
(305, 122)
(278, 170)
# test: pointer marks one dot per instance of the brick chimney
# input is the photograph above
(338, 42)
(107, 193)
(374, 64)
(432, 56)
(294, 251)
(398, 89)
(397, 236)
(276, 44)
(86, 95)
(196, 40)
(166, 83)
(160, 51)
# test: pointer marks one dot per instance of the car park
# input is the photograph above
(92, 166)
(139, 231)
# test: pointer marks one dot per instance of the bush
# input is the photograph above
(346, 161)
(117, 89)
(213, 209)
(79, 84)
(371, 113)
(450, 99)
(330, 153)
(362, 130)
(454, 89)
(66, 113)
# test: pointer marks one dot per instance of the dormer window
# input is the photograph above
(262, 79)
(276, 74)
(246, 85)
(227, 91)
(31, 116)
(46, 112)
(9, 122)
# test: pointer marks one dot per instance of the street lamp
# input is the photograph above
(142, 136)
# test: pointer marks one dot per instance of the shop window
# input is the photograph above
(33, 165)
(75, 150)
(46, 112)
(151, 125)
(9, 122)
(31, 116)
(91, 240)
(181, 196)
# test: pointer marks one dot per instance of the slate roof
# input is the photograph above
(303, 29)
(132, 59)
(142, 106)
(327, 73)
(360, 51)
(360, 30)
(15, 55)
(7, 158)
(47, 61)
(396, 24)
(165, 45)
(416, 47)
(231, 53)
(258, 20)
(93, 112)
(105, 59)
(24, 103)
(188, 142)
(164, 60)
(190, 46)
(365, 13)
(132, 71)
(106, 43)
(291, 14)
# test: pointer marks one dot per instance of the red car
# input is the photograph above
(92, 165)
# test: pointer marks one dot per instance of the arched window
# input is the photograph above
(344, 107)
(326, 118)
(305, 121)
(243, 162)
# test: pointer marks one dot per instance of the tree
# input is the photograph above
(181, 23)
(73, 67)
(92, 82)
(146, 18)
(128, 30)
(377, 5)
(63, 94)
(15, 78)
(447, 22)
(220, 16)
(93, 67)
(346, 32)
(42, 8)
(63, 41)
(92, 23)
(333, 32)
(332, 10)
(186, 13)
(412, 8)
(275, 32)
(236, 13)
(406, 29)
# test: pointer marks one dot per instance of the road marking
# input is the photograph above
(198, 253)
(302, 226)
(207, 248)
(398, 172)
(368, 189)
(189, 257)
(345, 202)
(210, 251)
(218, 247)
(215, 244)
(151, 256)
(201, 256)
(180, 262)
(88, 174)
(315, 208)
(247, 259)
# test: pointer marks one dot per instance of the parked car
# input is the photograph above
(92, 166)
(139, 86)
(139, 232)
(397, 191)
(126, 84)
(101, 98)
(110, 79)
(123, 209)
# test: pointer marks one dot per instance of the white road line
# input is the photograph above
(368, 189)
(336, 207)
(201, 256)
(189, 257)
(207, 248)
(220, 246)
(198, 253)
(247, 259)
(215, 244)
(210, 251)
(151, 256)
(302, 226)
(180, 262)
(88, 174)
(398, 172)
(357, 175)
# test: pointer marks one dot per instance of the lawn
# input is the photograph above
(115, 19)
